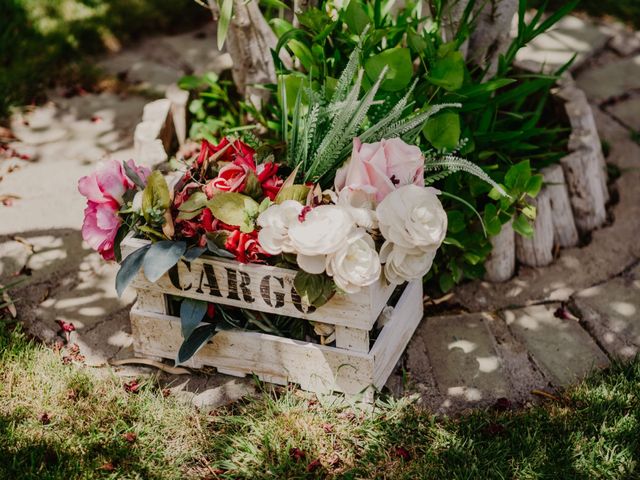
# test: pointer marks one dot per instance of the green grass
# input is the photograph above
(590, 431)
(48, 42)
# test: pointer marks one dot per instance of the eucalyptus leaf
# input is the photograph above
(193, 253)
(133, 175)
(198, 338)
(129, 268)
(196, 201)
(161, 257)
(215, 243)
(191, 314)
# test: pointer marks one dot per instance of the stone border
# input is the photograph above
(571, 202)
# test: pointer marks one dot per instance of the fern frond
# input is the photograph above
(456, 164)
(431, 179)
(347, 75)
(411, 125)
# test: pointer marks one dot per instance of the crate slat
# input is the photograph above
(261, 287)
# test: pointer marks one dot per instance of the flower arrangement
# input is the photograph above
(346, 203)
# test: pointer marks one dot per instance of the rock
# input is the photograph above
(465, 361)
(570, 36)
(611, 312)
(561, 348)
(13, 258)
(628, 112)
(231, 390)
(624, 40)
(611, 80)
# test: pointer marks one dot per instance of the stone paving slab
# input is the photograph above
(570, 36)
(561, 348)
(611, 80)
(611, 313)
(628, 112)
(459, 360)
(156, 63)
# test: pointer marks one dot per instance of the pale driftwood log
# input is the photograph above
(317, 368)
(153, 135)
(582, 173)
(537, 251)
(564, 226)
(584, 132)
(178, 99)
(501, 264)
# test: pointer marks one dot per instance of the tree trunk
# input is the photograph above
(490, 36)
(249, 42)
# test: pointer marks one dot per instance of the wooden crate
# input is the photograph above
(350, 366)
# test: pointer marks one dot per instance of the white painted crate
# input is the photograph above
(350, 367)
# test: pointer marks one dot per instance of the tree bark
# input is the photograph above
(249, 42)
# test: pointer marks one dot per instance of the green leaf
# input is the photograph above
(198, 338)
(314, 289)
(530, 212)
(196, 201)
(226, 10)
(534, 185)
(252, 186)
(191, 314)
(456, 221)
(302, 53)
(491, 220)
(517, 177)
(122, 232)
(523, 226)
(446, 282)
(155, 197)
(232, 208)
(448, 72)
(280, 26)
(443, 131)
(400, 68)
(129, 268)
(356, 17)
(293, 192)
(274, 4)
(161, 257)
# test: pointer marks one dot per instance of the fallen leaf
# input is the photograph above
(327, 427)
(107, 467)
(132, 386)
(402, 453)
(44, 418)
(129, 437)
(313, 466)
(502, 404)
(297, 454)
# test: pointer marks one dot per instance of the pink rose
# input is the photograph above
(381, 167)
(104, 190)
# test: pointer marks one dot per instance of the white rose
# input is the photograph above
(360, 203)
(322, 231)
(413, 217)
(356, 263)
(403, 265)
(275, 222)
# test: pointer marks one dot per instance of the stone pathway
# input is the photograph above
(543, 329)
(548, 327)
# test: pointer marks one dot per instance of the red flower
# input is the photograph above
(245, 247)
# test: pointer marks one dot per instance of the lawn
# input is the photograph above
(62, 421)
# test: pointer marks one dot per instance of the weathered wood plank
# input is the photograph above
(354, 339)
(316, 368)
(395, 335)
(262, 287)
(154, 302)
